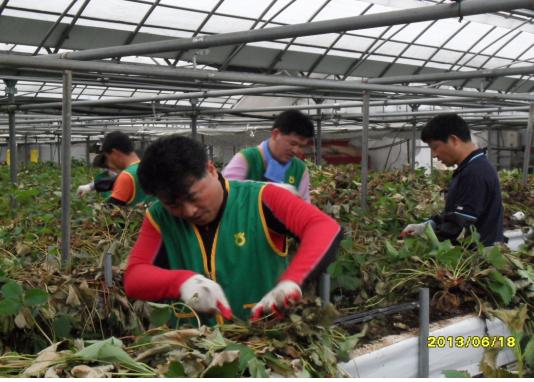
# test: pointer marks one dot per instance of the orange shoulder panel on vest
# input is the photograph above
(124, 187)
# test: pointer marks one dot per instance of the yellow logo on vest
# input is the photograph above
(240, 239)
(291, 180)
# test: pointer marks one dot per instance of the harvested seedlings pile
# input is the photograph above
(41, 305)
(304, 345)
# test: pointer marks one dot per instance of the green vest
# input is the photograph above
(256, 167)
(139, 195)
(244, 260)
(103, 175)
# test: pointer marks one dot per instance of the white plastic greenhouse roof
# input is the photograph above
(485, 41)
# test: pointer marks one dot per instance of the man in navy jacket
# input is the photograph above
(474, 194)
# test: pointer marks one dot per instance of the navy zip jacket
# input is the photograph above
(474, 196)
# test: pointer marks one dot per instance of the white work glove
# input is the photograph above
(519, 216)
(282, 295)
(414, 229)
(84, 189)
(206, 296)
(286, 186)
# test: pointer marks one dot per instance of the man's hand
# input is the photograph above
(205, 295)
(84, 189)
(282, 295)
(413, 229)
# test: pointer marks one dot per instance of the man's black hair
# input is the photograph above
(442, 126)
(170, 166)
(293, 121)
(119, 141)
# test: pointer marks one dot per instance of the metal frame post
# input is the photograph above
(66, 169)
(324, 288)
(11, 90)
(318, 139)
(431, 162)
(87, 149)
(490, 145)
(194, 117)
(413, 145)
(365, 151)
(424, 323)
(528, 144)
(26, 152)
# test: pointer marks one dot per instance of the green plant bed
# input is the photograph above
(42, 304)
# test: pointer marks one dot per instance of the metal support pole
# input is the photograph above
(26, 152)
(143, 144)
(87, 149)
(431, 163)
(324, 288)
(413, 145)
(66, 169)
(318, 140)
(210, 152)
(528, 144)
(11, 90)
(108, 264)
(194, 117)
(365, 151)
(424, 323)
(490, 145)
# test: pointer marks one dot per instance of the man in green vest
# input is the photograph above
(103, 181)
(276, 159)
(224, 240)
(120, 155)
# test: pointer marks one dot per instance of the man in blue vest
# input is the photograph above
(276, 159)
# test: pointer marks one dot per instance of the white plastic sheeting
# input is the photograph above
(400, 359)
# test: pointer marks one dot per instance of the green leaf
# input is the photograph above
(529, 352)
(159, 315)
(502, 286)
(348, 345)
(347, 282)
(451, 257)
(513, 318)
(456, 374)
(110, 350)
(12, 290)
(245, 355)
(347, 245)
(35, 297)
(176, 370)
(62, 326)
(257, 368)
(391, 250)
(9, 307)
(495, 258)
(430, 235)
(223, 365)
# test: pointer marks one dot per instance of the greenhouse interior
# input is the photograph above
(268, 188)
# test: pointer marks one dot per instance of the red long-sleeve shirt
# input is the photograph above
(318, 233)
